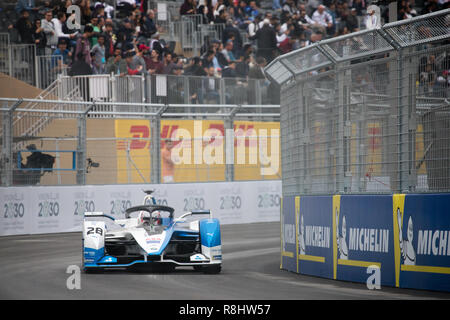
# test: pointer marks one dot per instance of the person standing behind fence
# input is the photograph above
(188, 7)
(25, 27)
(40, 40)
(63, 52)
(58, 22)
(83, 46)
(98, 51)
(50, 32)
(115, 64)
(266, 41)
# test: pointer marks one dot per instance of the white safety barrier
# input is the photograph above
(34, 210)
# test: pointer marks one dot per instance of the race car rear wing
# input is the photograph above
(92, 214)
(206, 212)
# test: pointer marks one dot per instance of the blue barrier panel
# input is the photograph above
(422, 241)
(314, 236)
(288, 242)
(406, 236)
(363, 237)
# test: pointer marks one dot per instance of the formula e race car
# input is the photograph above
(152, 238)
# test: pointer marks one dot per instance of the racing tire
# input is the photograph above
(213, 269)
(93, 270)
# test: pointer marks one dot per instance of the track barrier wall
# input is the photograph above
(36, 210)
(407, 236)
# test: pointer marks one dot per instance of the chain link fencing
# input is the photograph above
(368, 112)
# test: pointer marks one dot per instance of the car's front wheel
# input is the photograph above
(212, 269)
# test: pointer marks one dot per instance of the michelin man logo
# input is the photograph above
(406, 247)
(341, 241)
(301, 236)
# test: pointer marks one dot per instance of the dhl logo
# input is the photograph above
(140, 136)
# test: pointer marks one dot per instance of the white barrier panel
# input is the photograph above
(34, 210)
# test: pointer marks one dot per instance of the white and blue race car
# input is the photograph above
(152, 238)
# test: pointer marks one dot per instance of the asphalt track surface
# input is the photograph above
(34, 267)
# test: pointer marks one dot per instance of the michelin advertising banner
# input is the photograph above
(403, 238)
(34, 210)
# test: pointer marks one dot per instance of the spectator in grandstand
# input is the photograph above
(133, 68)
(50, 32)
(98, 55)
(203, 11)
(168, 64)
(127, 30)
(85, 9)
(59, 22)
(154, 64)
(289, 8)
(276, 5)
(242, 66)
(304, 22)
(360, 6)
(25, 27)
(371, 20)
(107, 9)
(177, 70)
(332, 11)
(266, 41)
(253, 26)
(221, 17)
(80, 67)
(195, 67)
(188, 7)
(28, 5)
(138, 58)
(115, 64)
(109, 39)
(312, 6)
(228, 51)
(83, 45)
(231, 32)
(96, 29)
(322, 19)
(210, 85)
(61, 57)
(252, 10)
(147, 24)
(39, 38)
(351, 21)
(230, 70)
(219, 57)
(156, 44)
(256, 70)
(207, 61)
(126, 6)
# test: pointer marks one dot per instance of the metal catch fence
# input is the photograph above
(368, 112)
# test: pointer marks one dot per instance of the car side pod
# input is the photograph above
(211, 242)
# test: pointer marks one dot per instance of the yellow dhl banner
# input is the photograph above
(257, 150)
(195, 150)
(133, 151)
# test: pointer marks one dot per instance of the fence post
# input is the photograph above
(81, 145)
(7, 142)
(229, 144)
(344, 131)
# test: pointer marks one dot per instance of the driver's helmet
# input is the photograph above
(147, 219)
(157, 220)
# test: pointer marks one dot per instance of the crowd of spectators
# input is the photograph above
(98, 43)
